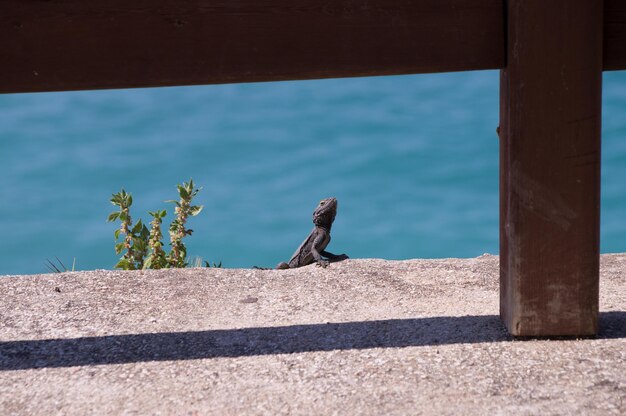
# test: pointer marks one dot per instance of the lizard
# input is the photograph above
(314, 246)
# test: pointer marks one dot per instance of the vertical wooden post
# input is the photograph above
(550, 107)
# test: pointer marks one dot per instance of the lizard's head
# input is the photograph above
(325, 213)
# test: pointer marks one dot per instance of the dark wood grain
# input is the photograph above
(550, 114)
(614, 34)
(89, 44)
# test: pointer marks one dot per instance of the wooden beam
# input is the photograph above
(614, 34)
(550, 117)
(90, 44)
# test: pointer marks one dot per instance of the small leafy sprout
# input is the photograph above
(123, 201)
(140, 235)
(157, 258)
(217, 266)
(187, 191)
(59, 267)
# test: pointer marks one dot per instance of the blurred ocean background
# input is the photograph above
(413, 161)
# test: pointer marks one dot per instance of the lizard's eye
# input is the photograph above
(322, 202)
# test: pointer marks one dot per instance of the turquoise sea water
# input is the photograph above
(413, 161)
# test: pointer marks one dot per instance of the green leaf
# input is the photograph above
(117, 234)
(207, 264)
(113, 216)
(125, 264)
(130, 200)
(195, 210)
(139, 244)
(123, 217)
(183, 192)
(137, 228)
(174, 226)
(119, 247)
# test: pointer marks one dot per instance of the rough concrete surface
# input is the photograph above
(360, 337)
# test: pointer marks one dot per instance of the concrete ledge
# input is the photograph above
(361, 337)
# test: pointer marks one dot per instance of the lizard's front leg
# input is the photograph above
(319, 242)
(318, 258)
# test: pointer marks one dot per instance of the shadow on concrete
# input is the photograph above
(392, 333)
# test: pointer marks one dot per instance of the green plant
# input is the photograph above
(143, 248)
(59, 267)
(135, 242)
(157, 258)
(207, 264)
(187, 191)
(123, 200)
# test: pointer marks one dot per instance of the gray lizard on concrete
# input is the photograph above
(313, 248)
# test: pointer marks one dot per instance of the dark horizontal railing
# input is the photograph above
(87, 44)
